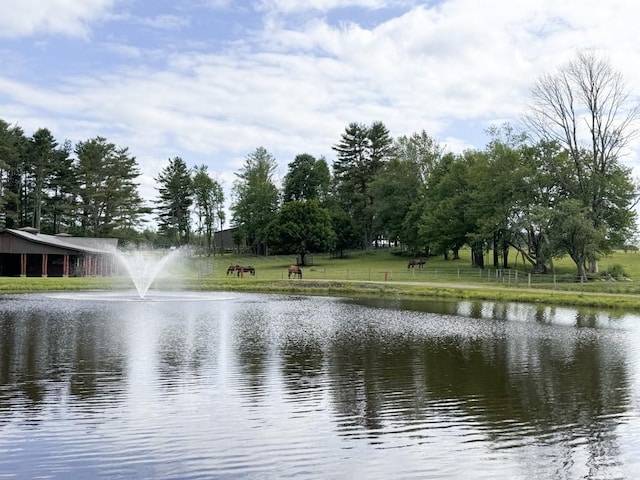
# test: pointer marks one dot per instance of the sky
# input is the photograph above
(212, 80)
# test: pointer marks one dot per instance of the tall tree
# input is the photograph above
(496, 185)
(255, 197)
(208, 201)
(445, 216)
(175, 197)
(13, 144)
(572, 232)
(308, 178)
(586, 108)
(301, 227)
(126, 210)
(420, 149)
(361, 153)
(380, 145)
(400, 186)
(108, 189)
(395, 188)
(62, 187)
(540, 193)
(42, 155)
(348, 236)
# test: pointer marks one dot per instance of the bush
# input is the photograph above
(615, 271)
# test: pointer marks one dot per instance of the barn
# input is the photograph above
(26, 252)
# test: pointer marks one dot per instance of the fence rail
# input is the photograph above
(428, 273)
(454, 275)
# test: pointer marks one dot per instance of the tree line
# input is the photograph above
(92, 189)
(552, 188)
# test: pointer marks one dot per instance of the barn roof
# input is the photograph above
(80, 244)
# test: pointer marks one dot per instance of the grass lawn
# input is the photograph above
(382, 272)
(384, 266)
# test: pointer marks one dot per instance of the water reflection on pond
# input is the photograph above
(269, 386)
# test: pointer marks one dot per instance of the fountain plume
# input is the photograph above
(144, 267)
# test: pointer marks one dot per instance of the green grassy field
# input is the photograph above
(384, 273)
(383, 266)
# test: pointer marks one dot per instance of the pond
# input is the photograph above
(248, 386)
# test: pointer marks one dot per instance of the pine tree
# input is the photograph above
(175, 199)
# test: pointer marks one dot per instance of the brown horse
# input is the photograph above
(241, 270)
(295, 270)
(416, 261)
(232, 269)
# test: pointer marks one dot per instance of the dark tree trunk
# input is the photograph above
(477, 257)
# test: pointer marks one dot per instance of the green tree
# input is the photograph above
(496, 187)
(361, 153)
(209, 201)
(420, 149)
(308, 178)
(62, 187)
(255, 198)
(301, 227)
(348, 236)
(586, 108)
(108, 190)
(42, 157)
(13, 144)
(572, 232)
(400, 186)
(395, 188)
(445, 217)
(175, 197)
(541, 169)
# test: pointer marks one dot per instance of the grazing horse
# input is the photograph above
(248, 269)
(295, 270)
(232, 269)
(239, 270)
(416, 261)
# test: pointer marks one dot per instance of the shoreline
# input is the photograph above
(347, 288)
(414, 290)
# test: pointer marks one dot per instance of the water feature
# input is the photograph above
(250, 386)
(145, 266)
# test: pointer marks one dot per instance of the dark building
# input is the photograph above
(223, 241)
(28, 253)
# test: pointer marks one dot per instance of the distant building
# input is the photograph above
(224, 242)
(28, 253)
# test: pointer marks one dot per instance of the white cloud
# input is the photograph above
(50, 17)
(450, 69)
(219, 4)
(294, 6)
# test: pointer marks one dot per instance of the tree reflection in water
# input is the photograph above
(545, 389)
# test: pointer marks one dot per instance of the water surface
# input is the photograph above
(243, 386)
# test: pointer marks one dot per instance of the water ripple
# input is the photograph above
(292, 387)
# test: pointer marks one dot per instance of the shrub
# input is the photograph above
(615, 271)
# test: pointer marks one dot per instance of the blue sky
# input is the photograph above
(211, 80)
